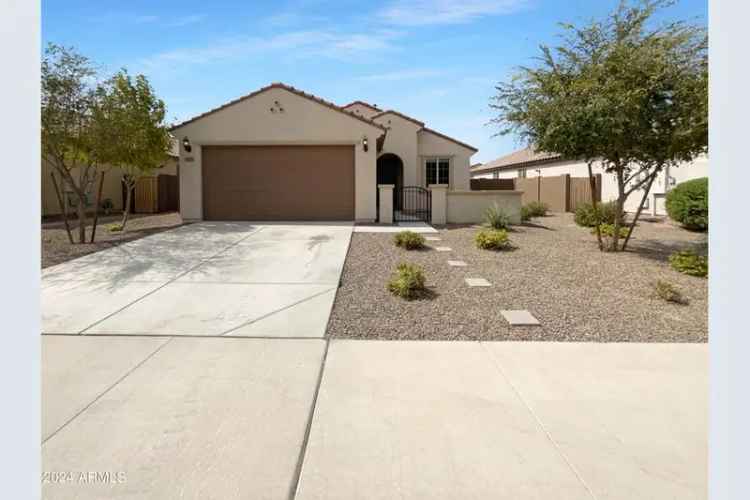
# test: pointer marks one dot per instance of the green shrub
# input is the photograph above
(688, 262)
(409, 240)
(407, 282)
(525, 214)
(114, 228)
(586, 216)
(492, 239)
(669, 293)
(537, 208)
(608, 230)
(687, 203)
(496, 218)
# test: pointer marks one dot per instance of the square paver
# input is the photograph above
(477, 282)
(457, 263)
(520, 318)
(443, 249)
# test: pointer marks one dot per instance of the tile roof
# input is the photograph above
(288, 88)
(363, 103)
(523, 156)
(392, 112)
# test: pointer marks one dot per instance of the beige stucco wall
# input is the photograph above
(430, 145)
(110, 189)
(401, 140)
(464, 207)
(362, 110)
(686, 171)
(303, 122)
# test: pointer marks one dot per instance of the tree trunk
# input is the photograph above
(640, 209)
(126, 210)
(96, 206)
(63, 209)
(619, 205)
(81, 209)
(592, 184)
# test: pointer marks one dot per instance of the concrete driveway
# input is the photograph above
(215, 279)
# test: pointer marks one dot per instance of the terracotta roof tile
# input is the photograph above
(516, 158)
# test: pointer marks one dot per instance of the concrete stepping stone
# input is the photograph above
(472, 282)
(443, 249)
(520, 318)
(457, 263)
(433, 238)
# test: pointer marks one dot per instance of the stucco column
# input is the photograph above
(439, 194)
(386, 203)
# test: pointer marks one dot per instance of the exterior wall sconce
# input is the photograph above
(186, 144)
(364, 144)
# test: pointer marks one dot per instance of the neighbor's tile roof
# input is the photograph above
(515, 159)
(279, 85)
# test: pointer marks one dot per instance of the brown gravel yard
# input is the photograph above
(556, 272)
(57, 249)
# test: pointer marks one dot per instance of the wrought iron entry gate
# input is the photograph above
(412, 204)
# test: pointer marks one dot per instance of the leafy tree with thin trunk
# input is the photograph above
(130, 125)
(67, 99)
(623, 91)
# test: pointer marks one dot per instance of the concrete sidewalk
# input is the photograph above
(503, 420)
(197, 417)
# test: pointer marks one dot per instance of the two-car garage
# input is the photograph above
(314, 182)
(279, 154)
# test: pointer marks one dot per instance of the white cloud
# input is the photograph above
(426, 12)
(409, 74)
(296, 43)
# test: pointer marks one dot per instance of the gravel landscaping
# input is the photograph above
(556, 272)
(56, 247)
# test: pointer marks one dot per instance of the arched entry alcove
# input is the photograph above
(391, 171)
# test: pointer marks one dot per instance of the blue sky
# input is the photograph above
(435, 60)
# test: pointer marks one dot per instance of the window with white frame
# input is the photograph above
(522, 173)
(437, 170)
(495, 174)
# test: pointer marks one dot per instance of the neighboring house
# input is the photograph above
(111, 189)
(526, 163)
(281, 154)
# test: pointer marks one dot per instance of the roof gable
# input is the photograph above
(400, 115)
(448, 138)
(287, 88)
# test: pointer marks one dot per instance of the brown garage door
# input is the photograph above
(278, 182)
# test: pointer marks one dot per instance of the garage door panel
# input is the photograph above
(278, 182)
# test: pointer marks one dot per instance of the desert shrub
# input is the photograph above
(668, 292)
(608, 230)
(525, 214)
(407, 282)
(409, 240)
(537, 208)
(586, 216)
(492, 239)
(107, 205)
(496, 218)
(114, 227)
(687, 203)
(688, 262)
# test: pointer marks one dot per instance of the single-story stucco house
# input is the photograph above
(527, 163)
(279, 153)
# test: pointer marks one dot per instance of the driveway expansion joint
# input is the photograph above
(109, 388)
(496, 363)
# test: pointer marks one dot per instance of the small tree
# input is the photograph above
(67, 145)
(617, 91)
(129, 120)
